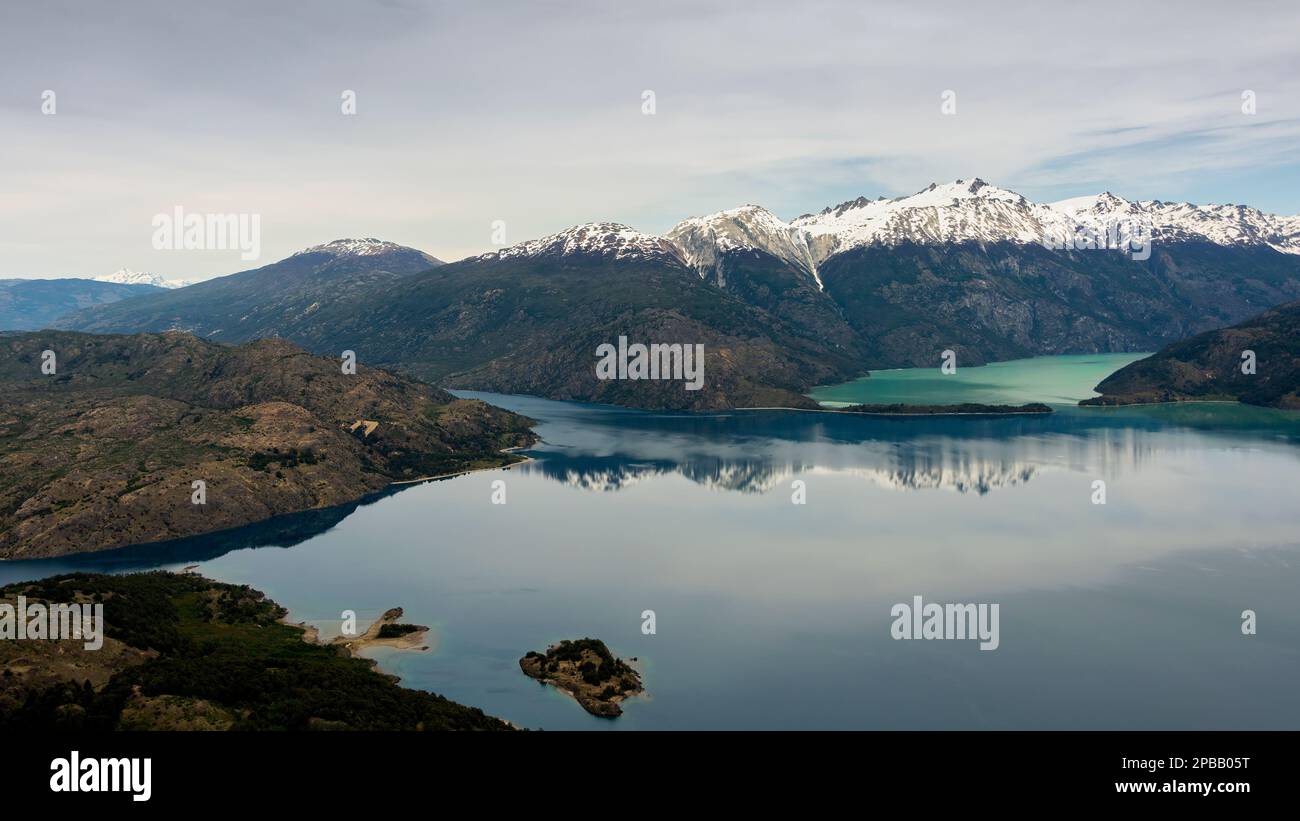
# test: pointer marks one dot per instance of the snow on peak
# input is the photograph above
(704, 240)
(364, 247)
(125, 276)
(950, 193)
(607, 239)
(1104, 202)
(965, 210)
(961, 211)
(1219, 224)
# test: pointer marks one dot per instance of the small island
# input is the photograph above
(586, 670)
(963, 409)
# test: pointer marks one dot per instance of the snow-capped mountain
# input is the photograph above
(941, 213)
(968, 211)
(704, 240)
(125, 276)
(363, 247)
(961, 211)
(605, 239)
(1219, 224)
(779, 306)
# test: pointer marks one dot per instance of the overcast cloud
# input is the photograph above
(531, 113)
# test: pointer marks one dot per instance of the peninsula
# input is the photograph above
(107, 441)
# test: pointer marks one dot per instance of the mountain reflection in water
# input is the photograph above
(606, 449)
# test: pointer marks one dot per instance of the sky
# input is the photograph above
(470, 116)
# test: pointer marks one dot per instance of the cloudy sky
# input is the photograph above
(531, 113)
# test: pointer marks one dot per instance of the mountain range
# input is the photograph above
(779, 306)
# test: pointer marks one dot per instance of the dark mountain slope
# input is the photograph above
(258, 303)
(788, 293)
(1004, 300)
(532, 324)
(1209, 366)
(29, 304)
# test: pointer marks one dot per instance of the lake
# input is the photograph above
(770, 614)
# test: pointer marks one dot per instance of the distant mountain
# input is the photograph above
(779, 306)
(258, 303)
(1210, 366)
(28, 304)
(126, 276)
(102, 452)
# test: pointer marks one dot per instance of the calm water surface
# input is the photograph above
(775, 615)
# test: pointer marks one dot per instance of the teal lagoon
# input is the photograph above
(1053, 380)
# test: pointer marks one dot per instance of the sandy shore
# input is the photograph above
(353, 645)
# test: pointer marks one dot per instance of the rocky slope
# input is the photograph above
(103, 453)
(1209, 366)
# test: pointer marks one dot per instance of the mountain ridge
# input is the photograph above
(780, 307)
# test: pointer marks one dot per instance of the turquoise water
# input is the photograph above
(776, 615)
(1054, 380)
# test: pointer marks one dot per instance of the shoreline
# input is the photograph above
(354, 645)
(523, 460)
(370, 494)
(409, 642)
(892, 415)
(1175, 402)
